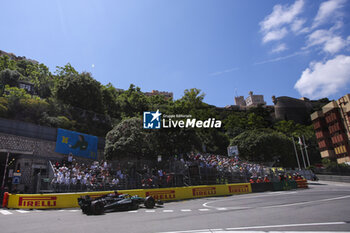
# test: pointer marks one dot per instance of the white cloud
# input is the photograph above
(335, 44)
(279, 48)
(325, 79)
(274, 25)
(282, 15)
(327, 10)
(297, 25)
(330, 42)
(275, 35)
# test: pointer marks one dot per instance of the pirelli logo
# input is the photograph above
(37, 201)
(159, 195)
(238, 189)
(204, 191)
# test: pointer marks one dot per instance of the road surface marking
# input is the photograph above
(133, 211)
(168, 211)
(23, 211)
(73, 210)
(223, 208)
(288, 225)
(306, 202)
(5, 212)
(232, 230)
(203, 209)
(186, 210)
(150, 211)
(234, 198)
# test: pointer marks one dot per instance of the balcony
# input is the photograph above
(335, 128)
(322, 134)
(324, 144)
(331, 117)
(340, 138)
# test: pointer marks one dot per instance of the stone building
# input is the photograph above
(250, 101)
(166, 95)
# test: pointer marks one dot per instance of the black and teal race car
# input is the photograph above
(115, 202)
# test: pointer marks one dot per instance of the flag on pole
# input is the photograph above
(300, 142)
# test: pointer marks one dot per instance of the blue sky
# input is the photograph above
(225, 48)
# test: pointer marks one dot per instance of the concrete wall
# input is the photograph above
(334, 178)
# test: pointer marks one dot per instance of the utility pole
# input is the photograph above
(302, 153)
(3, 179)
(296, 153)
(306, 153)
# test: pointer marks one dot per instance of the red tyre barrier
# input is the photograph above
(5, 199)
(302, 184)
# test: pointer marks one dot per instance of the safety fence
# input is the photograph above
(70, 200)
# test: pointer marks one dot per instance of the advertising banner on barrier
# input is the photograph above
(78, 144)
(70, 200)
(239, 188)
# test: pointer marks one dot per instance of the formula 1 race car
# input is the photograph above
(115, 202)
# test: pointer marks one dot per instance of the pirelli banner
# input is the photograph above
(69, 200)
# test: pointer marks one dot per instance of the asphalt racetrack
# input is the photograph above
(324, 207)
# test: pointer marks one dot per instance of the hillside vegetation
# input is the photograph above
(76, 101)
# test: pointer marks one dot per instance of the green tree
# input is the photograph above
(132, 102)
(265, 146)
(3, 107)
(9, 77)
(40, 76)
(128, 140)
(109, 96)
(6, 63)
(235, 123)
(81, 91)
(65, 71)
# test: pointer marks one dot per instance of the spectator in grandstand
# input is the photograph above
(266, 179)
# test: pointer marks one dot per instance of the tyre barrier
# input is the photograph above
(274, 186)
(5, 199)
(70, 200)
(302, 183)
(262, 187)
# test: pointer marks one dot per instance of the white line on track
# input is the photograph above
(168, 211)
(150, 211)
(186, 210)
(232, 230)
(235, 198)
(23, 211)
(133, 211)
(288, 225)
(306, 202)
(73, 210)
(222, 208)
(5, 212)
(203, 209)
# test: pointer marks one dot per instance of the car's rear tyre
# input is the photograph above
(150, 202)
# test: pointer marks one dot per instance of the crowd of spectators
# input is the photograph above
(73, 176)
(227, 164)
(70, 175)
